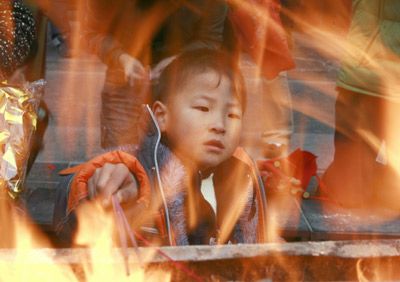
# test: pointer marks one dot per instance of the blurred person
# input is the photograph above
(329, 15)
(130, 37)
(199, 105)
(60, 41)
(364, 172)
(60, 29)
(265, 58)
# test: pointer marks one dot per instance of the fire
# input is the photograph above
(376, 270)
(96, 231)
(21, 264)
(28, 257)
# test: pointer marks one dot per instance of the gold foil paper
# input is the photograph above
(18, 119)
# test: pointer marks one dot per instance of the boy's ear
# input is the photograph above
(161, 113)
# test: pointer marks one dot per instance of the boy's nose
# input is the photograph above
(218, 126)
(219, 130)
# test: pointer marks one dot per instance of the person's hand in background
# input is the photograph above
(133, 68)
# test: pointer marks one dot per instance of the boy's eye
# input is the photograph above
(201, 108)
(235, 116)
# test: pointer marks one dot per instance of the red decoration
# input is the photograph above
(293, 170)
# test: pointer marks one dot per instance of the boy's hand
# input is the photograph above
(111, 179)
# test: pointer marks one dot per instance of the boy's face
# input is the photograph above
(202, 121)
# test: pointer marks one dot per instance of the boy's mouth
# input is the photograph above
(215, 145)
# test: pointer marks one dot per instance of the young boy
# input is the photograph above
(198, 109)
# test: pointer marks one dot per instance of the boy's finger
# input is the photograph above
(103, 175)
(116, 180)
(95, 177)
(127, 193)
(91, 188)
(92, 184)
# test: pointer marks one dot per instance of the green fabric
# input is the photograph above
(372, 63)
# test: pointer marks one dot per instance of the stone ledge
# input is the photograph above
(303, 261)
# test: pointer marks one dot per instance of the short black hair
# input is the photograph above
(190, 63)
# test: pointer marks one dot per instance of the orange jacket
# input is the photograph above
(79, 187)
